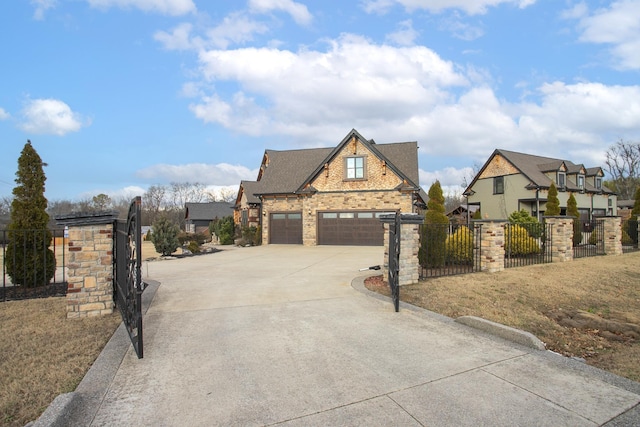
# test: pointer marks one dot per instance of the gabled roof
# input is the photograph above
(289, 172)
(207, 211)
(534, 168)
(249, 188)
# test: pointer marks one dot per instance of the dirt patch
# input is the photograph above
(588, 308)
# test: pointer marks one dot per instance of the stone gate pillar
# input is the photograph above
(491, 245)
(409, 244)
(561, 237)
(90, 263)
(612, 235)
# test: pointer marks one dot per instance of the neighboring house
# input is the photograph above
(511, 181)
(462, 214)
(331, 196)
(198, 216)
(625, 207)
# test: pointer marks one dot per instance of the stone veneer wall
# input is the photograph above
(612, 235)
(409, 273)
(90, 263)
(561, 238)
(492, 245)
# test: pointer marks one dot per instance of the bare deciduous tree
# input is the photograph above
(623, 164)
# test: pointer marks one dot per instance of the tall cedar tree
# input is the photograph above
(553, 203)
(29, 260)
(572, 210)
(432, 251)
(633, 221)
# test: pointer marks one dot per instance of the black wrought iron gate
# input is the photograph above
(394, 260)
(127, 277)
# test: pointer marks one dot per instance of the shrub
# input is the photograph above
(460, 246)
(626, 239)
(553, 203)
(433, 234)
(165, 236)
(519, 242)
(477, 214)
(529, 223)
(193, 247)
(595, 237)
(572, 210)
(250, 235)
(224, 228)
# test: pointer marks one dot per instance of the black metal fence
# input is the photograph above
(447, 250)
(630, 235)
(527, 244)
(588, 238)
(33, 264)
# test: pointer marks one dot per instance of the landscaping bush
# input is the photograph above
(626, 239)
(193, 247)
(519, 242)
(572, 210)
(165, 236)
(595, 237)
(433, 234)
(460, 246)
(224, 228)
(251, 235)
(553, 203)
(529, 223)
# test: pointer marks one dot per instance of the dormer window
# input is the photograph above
(581, 182)
(561, 180)
(599, 183)
(355, 167)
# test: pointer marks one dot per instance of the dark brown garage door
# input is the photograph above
(350, 228)
(286, 228)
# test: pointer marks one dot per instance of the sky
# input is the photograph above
(119, 95)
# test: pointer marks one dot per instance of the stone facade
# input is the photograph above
(562, 238)
(90, 263)
(492, 245)
(90, 288)
(409, 273)
(612, 235)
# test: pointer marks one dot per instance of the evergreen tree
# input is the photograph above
(477, 215)
(572, 210)
(553, 203)
(29, 260)
(636, 206)
(164, 236)
(433, 236)
(632, 223)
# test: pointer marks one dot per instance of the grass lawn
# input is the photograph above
(588, 308)
(42, 354)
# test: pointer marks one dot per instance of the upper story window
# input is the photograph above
(355, 167)
(581, 182)
(498, 185)
(561, 181)
(599, 183)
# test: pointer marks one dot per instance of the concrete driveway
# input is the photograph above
(277, 335)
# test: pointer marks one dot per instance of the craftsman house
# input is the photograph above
(511, 181)
(198, 216)
(331, 196)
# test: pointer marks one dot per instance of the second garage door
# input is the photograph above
(286, 228)
(350, 228)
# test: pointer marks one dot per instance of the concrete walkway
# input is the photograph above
(277, 335)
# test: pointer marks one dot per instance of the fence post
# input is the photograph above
(409, 244)
(561, 237)
(612, 235)
(491, 245)
(90, 263)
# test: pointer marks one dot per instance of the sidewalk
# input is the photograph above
(277, 335)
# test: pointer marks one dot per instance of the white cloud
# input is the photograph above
(165, 7)
(179, 38)
(41, 7)
(221, 174)
(470, 7)
(50, 116)
(450, 179)
(297, 11)
(285, 92)
(4, 115)
(405, 35)
(617, 25)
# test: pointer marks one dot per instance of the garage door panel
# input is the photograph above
(285, 228)
(350, 228)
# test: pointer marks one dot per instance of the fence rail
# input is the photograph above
(630, 235)
(33, 264)
(527, 244)
(588, 238)
(447, 250)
